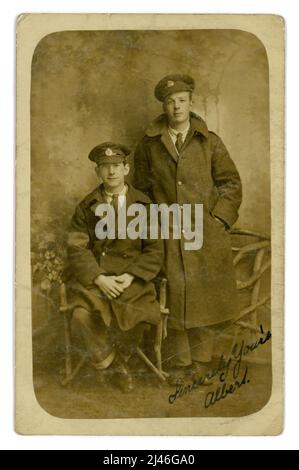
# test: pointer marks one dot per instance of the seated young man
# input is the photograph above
(110, 279)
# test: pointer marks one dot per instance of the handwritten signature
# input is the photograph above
(233, 364)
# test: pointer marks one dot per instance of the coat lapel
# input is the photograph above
(159, 127)
(94, 199)
(188, 138)
(166, 140)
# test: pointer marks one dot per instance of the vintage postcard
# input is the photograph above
(149, 231)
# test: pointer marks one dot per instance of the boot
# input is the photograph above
(202, 373)
(176, 374)
(121, 375)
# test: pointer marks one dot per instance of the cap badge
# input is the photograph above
(170, 83)
(109, 152)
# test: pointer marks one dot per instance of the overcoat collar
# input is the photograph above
(159, 127)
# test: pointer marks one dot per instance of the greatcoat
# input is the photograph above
(89, 257)
(201, 283)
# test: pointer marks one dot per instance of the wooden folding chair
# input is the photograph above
(257, 249)
(71, 371)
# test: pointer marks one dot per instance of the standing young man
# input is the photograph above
(180, 161)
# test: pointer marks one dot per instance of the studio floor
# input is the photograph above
(86, 397)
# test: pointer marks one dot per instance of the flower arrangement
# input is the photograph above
(48, 259)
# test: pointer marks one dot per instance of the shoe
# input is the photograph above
(101, 378)
(122, 376)
(176, 375)
(201, 373)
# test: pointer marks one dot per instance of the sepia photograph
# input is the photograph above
(150, 222)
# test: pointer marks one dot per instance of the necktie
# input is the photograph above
(179, 141)
(115, 203)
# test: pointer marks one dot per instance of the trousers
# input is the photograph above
(102, 342)
(183, 347)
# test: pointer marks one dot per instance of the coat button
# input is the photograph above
(125, 255)
(103, 253)
(180, 183)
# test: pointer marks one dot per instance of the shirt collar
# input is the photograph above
(123, 192)
(174, 132)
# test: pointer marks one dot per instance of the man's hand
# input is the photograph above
(109, 286)
(125, 280)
